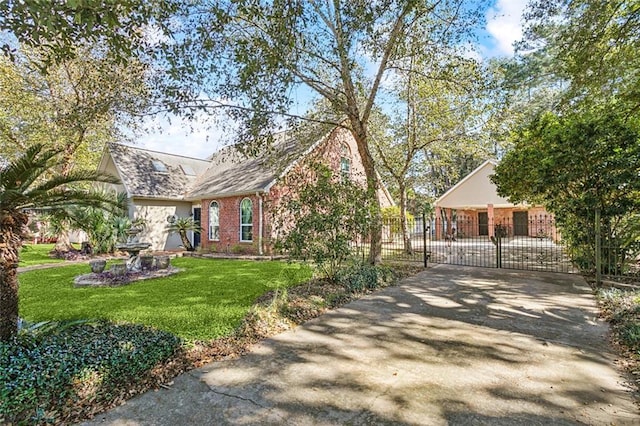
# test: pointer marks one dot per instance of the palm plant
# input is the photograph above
(182, 225)
(28, 184)
(104, 226)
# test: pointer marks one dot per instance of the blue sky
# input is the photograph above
(194, 139)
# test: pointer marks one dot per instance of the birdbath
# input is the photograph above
(133, 247)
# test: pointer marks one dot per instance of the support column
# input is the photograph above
(438, 222)
(491, 220)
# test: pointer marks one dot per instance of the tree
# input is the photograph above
(26, 183)
(574, 164)
(258, 53)
(442, 97)
(182, 225)
(77, 106)
(61, 27)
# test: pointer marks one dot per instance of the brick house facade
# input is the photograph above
(224, 227)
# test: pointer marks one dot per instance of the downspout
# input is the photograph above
(260, 251)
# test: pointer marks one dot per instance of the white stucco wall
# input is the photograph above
(155, 213)
(474, 191)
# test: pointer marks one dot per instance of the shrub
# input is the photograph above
(75, 364)
(244, 249)
(322, 219)
(622, 309)
(359, 276)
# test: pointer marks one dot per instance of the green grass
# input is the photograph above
(36, 254)
(207, 300)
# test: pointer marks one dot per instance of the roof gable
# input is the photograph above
(150, 174)
(231, 173)
(474, 191)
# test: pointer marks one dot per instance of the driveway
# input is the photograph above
(451, 345)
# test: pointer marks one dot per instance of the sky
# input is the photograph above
(177, 136)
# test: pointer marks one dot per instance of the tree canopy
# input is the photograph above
(591, 45)
(76, 106)
(60, 27)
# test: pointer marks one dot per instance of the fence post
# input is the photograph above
(598, 248)
(424, 239)
(497, 240)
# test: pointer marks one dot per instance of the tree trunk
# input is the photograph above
(8, 301)
(406, 236)
(360, 134)
(63, 244)
(11, 227)
(185, 241)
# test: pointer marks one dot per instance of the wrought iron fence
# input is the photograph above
(617, 250)
(518, 241)
(526, 243)
(400, 246)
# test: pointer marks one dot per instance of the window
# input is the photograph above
(187, 170)
(246, 220)
(214, 221)
(159, 166)
(345, 162)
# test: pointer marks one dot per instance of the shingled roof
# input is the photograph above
(152, 174)
(231, 173)
(225, 173)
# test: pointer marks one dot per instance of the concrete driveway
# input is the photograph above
(451, 345)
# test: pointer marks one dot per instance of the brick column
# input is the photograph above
(491, 220)
(438, 222)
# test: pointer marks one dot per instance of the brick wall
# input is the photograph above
(229, 219)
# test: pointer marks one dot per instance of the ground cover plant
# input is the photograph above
(206, 301)
(621, 308)
(37, 254)
(51, 374)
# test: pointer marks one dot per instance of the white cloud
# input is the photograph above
(504, 25)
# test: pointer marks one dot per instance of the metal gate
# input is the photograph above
(518, 242)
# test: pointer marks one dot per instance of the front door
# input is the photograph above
(483, 223)
(520, 223)
(197, 214)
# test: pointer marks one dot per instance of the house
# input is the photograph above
(234, 197)
(155, 184)
(473, 208)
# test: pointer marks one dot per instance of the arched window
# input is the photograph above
(246, 220)
(214, 221)
(345, 161)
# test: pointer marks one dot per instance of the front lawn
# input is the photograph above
(37, 254)
(207, 300)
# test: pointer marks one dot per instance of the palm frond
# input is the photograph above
(24, 184)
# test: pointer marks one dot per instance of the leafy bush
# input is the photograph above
(622, 309)
(575, 163)
(75, 364)
(322, 218)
